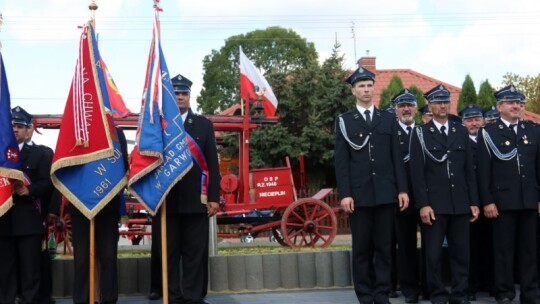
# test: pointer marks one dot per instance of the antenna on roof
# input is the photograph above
(367, 52)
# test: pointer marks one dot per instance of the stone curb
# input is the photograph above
(233, 273)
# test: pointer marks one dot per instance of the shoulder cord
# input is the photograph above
(431, 156)
(502, 156)
(344, 132)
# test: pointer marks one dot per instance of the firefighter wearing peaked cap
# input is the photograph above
(481, 270)
(445, 194)
(372, 183)
(187, 214)
(426, 114)
(509, 175)
(491, 114)
(407, 221)
(21, 228)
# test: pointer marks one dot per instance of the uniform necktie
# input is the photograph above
(512, 127)
(409, 130)
(443, 129)
(368, 117)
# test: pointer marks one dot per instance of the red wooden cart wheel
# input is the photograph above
(278, 236)
(309, 222)
(62, 229)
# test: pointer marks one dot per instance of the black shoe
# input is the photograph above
(472, 297)
(411, 299)
(504, 301)
(392, 294)
(205, 301)
(154, 295)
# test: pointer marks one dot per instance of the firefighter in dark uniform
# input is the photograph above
(446, 195)
(187, 214)
(481, 259)
(371, 179)
(106, 243)
(491, 115)
(45, 288)
(509, 172)
(426, 114)
(407, 221)
(21, 228)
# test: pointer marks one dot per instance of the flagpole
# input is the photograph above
(164, 261)
(92, 259)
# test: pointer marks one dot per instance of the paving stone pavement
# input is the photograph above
(306, 296)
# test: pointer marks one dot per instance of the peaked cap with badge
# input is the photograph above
(360, 74)
(491, 114)
(509, 93)
(471, 111)
(181, 83)
(425, 110)
(404, 97)
(438, 94)
(20, 117)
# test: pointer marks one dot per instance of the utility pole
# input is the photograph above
(354, 40)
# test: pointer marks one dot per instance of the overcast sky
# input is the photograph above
(443, 39)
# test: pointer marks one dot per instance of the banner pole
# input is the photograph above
(92, 261)
(164, 266)
(92, 281)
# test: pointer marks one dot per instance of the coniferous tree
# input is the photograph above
(394, 87)
(468, 93)
(485, 97)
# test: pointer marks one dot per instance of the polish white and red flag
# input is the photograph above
(253, 86)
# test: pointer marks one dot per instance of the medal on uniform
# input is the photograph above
(454, 129)
(507, 143)
(361, 135)
(399, 133)
(525, 141)
(431, 129)
(500, 127)
(189, 120)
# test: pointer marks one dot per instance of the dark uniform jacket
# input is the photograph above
(185, 196)
(449, 187)
(375, 174)
(25, 217)
(510, 184)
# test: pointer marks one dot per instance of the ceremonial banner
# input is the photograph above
(253, 85)
(10, 162)
(87, 165)
(118, 106)
(161, 156)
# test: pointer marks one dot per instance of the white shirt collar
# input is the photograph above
(507, 123)
(472, 137)
(438, 125)
(21, 145)
(404, 126)
(184, 116)
(362, 109)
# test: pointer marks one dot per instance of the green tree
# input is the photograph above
(274, 50)
(468, 93)
(528, 85)
(391, 90)
(420, 101)
(485, 97)
(309, 101)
